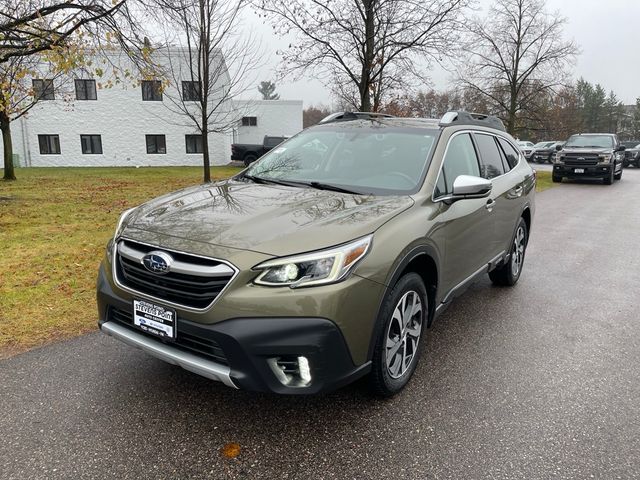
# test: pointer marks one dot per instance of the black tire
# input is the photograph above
(381, 378)
(618, 176)
(507, 275)
(249, 159)
(556, 179)
(608, 180)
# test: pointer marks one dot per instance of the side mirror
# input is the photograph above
(621, 148)
(467, 186)
(558, 147)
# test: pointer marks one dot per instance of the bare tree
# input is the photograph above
(517, 56)
(210, 63)
(365, 48)
(28, 27)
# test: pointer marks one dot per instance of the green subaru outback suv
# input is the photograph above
(326, 260)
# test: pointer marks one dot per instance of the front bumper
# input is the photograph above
(237, 351)
(600, 170)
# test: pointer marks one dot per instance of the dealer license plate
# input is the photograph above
(154, 319)
(578, 170)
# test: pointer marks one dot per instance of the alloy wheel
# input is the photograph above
(403, 334)
(517, 257)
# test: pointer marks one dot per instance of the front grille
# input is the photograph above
(185, 341)
(196, 285)
(577, 160)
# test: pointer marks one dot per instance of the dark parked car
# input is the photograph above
(632, 154)
(249, 153)
(590, 155)
(545, 152)
(326, 260)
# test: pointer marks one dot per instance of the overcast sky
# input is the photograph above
(608, 32)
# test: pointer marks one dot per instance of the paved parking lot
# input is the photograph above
(541, 381)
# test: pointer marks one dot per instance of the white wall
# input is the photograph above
(123, 119)
(275, 118)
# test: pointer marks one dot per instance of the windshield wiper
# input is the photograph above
(296, 183)
(333, 188)
(263, 180)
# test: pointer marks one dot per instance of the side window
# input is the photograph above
(490, 156)
(460, 159)
(512, 155)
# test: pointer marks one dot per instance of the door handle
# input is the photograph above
(490, 204)
(518, 191)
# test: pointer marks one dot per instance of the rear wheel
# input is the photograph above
(508, 274)
(249, 159)
(403, 317)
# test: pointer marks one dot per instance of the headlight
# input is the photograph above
(121, 221)
(317, 268)
(606, 158)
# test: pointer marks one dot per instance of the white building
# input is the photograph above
(275, 118)
(135, 124)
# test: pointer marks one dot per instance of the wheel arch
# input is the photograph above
(422, 260)
(526, 215)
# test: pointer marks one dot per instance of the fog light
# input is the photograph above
(291, 371)
(305, 371)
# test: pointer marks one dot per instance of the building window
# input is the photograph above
(49, 144)
(194, 143)
(86, 89)
(191, 91)
(151, 90)
(91, 144)
(249, 121)
(156, 144)
(43, 89)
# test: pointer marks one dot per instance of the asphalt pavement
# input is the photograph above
(539, 381)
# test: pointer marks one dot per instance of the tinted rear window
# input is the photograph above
(510, 152)
(490, 156)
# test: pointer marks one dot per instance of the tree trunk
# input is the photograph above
(5, 126)
(205, 156)
(513, 106)
(365, 80)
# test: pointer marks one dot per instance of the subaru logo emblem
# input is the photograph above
(157, 262)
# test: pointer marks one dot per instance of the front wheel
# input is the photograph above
(608, 180)
(556, 178)
(508, 274)
(403, 317)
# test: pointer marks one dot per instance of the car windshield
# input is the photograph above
(593, 141)
(375, 159)
(542, 144)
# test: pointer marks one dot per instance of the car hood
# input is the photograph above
(588, 151)
(270, 219)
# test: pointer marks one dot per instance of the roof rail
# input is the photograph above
(345, 116)
(466, 118)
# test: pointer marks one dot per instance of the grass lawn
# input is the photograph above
(544, 181)
(54, 225)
